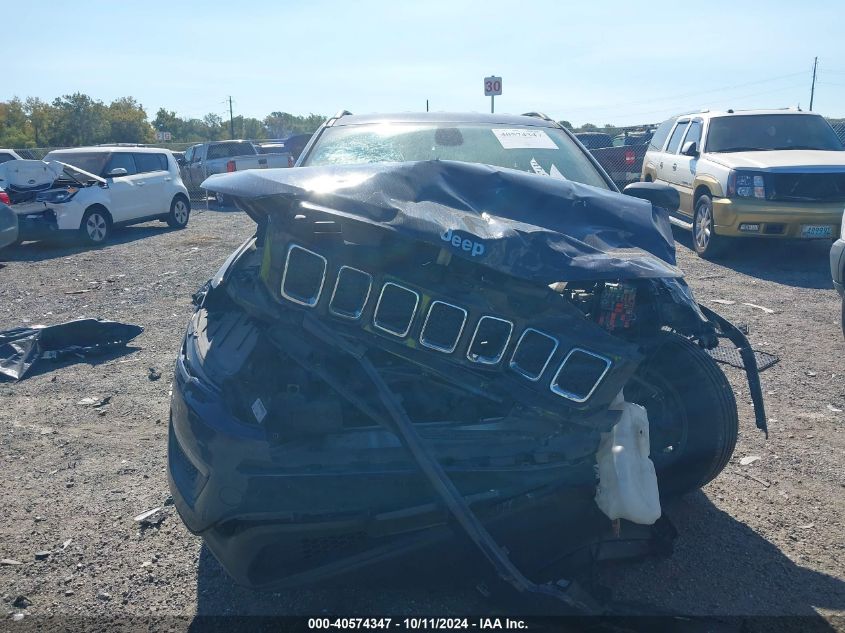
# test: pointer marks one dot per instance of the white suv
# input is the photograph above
(766, 173)
(90, 190)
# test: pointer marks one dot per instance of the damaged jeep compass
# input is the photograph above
(444, 324)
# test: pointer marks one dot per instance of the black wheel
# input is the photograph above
(692, 414)
(180, 211)
(704, 239)
(95, 227)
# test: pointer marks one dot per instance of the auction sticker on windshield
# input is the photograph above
(524, 139)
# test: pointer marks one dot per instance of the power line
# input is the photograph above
(689, 94)
(675, 109)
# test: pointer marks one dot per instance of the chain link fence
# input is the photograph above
(619, 150)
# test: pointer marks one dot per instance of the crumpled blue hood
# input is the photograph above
(534, 227)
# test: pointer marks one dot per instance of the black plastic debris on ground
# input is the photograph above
(21, 348)
(730, 356)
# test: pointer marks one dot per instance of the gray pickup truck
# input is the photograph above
(203, 160)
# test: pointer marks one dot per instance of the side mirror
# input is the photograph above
(690, 148)
(658, 194)
(117, 171)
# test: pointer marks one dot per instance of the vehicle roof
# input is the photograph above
(444, 117)
(709, 114)
(110, 148)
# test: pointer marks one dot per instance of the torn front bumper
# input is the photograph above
(38, 225)
(318, 505)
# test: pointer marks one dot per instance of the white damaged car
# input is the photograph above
(90, 190)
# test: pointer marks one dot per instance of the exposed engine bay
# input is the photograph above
(41, 181)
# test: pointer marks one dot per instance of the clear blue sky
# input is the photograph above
(588, 61)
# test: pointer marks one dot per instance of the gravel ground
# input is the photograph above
(765, 538)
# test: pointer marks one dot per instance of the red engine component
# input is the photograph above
(617, 307)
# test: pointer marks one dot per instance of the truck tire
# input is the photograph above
(693, 421)
(704, 239)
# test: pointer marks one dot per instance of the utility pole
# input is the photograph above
(231, 119)
(813, 87)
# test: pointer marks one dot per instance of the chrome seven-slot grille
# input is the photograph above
(304, 282)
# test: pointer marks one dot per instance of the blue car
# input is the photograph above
(430, 333)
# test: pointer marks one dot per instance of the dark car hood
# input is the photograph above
(538, 228)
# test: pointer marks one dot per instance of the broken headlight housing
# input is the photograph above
(57, 196)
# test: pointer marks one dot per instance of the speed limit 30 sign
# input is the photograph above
(492, 86)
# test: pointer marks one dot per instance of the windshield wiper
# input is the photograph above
(803, 147)
(742, 149)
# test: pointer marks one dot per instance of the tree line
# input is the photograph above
(78, 119)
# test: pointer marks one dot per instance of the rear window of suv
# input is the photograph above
(766, 132)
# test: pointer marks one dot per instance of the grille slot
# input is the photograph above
(490, 340)
(808, 187)
(395, 309)
(443, 326)
(533, 353)
(351, 291)
(305, 273)
(579, 375)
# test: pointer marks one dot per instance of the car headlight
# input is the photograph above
(746, 184)
(57, 196)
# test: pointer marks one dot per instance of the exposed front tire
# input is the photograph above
(704, 239)
(95, 227)
(180, 211)
(692, 414)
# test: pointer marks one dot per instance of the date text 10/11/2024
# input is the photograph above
(417, 623)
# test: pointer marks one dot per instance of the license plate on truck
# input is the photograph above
(816, 230)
